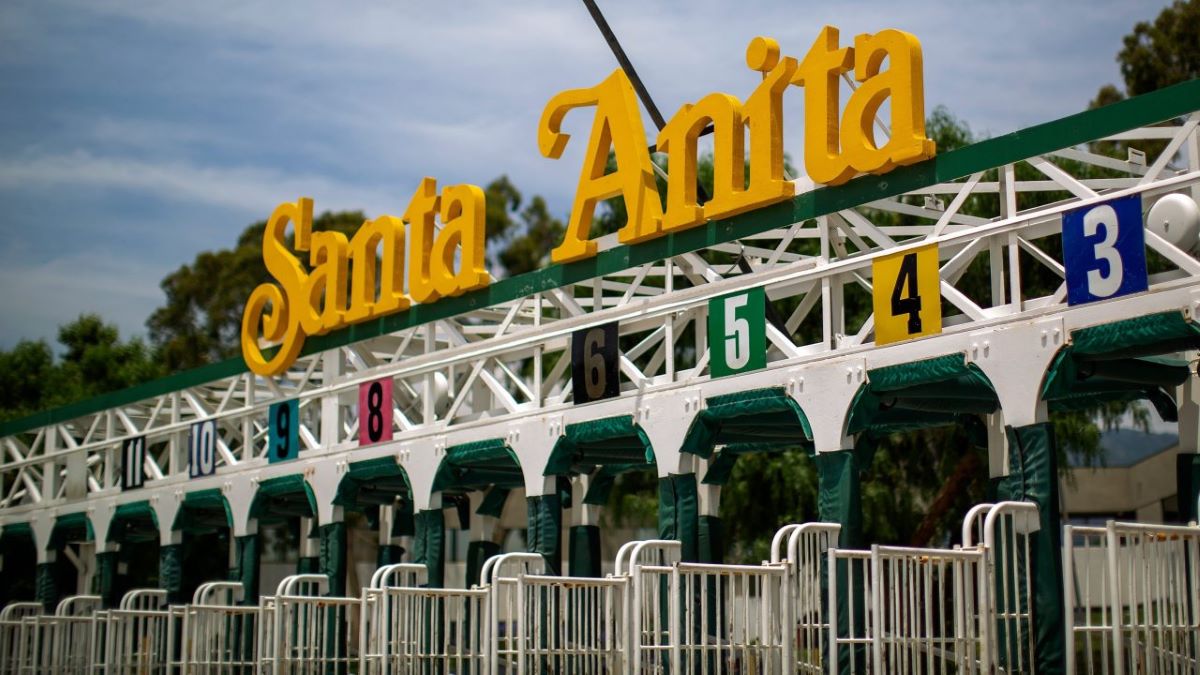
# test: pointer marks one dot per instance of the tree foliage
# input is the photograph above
(94, 361)
(1158, 53)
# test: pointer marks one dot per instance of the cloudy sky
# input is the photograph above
(136, 133)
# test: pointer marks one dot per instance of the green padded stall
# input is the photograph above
(282, 498)
(475, 466)
(372, 482)
(245, 570)
(1033, 477)
(607, 442)
(604, 449)
(332, 560)
(583, 551)
(1187, 477)
(47, 587)
(429, 545)
(170, 572)
(759, 418)
(106, 578)
(545, 525)
(677, 514)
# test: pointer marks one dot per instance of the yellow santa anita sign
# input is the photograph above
(838, 144)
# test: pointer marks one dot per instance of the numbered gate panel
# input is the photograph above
(907, 295)
(202, 449)
(595, 366)
(375, 411)
(284, 422)
(1104, 250)
(737, 332)
(133, 463)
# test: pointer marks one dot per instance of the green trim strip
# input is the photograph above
(1089, 125)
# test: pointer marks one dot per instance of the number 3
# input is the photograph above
(737, 333)
(1104, 285)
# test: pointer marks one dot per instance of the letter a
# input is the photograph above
(903, 82)
(617, 126)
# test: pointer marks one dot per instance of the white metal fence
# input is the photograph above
(408, 628)
(11, 628)
(303, 632)
(1133, 598)
(135, 638)
(804, 550)
(53, 644)
(218, 636)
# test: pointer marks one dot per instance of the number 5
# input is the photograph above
(737, 333)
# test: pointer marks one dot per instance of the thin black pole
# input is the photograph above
(627, 66)
(623, 60)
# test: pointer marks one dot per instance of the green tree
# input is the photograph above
(202, 318)
(95, 361)
(1158, 54)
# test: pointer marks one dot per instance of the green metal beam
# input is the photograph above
(1147, 109)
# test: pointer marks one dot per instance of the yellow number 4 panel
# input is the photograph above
(908, 298)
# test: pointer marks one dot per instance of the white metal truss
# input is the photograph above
(493, 371)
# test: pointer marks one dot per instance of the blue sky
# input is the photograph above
(135, 134)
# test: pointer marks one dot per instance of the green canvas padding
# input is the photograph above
(429, 545)
(611, 441)
(1033, 477)
(678, 518)
(720, 465)
(170, 572)
(284, 497)
(72, 527)
(493, 502)
(930, 393)
(332, 561)
(917, 373)
(47, 588)
(403, 524)
(757, 416)
(473, 466)
(1187, 480)
(202, 511)
(477, 553)
(16, 530)
(711, 539)
(246, 564)
(105, 580)
(370, 482)
(1140, 336)
(839, 500)
(310, 564)
(545, 527)
(603, 480)
(583, 551)
(388, 554)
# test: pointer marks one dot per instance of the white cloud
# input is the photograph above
(253, 190)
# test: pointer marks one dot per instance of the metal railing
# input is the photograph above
(135, 638)
(219, 632)
(408, 628)
(302, 632)
(1006, 530)
(11, 638)
(54, 644)
(804, 550)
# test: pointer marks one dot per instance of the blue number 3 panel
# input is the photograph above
(1104, 249)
